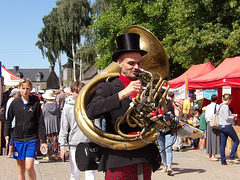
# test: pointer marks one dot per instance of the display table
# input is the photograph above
(230, 143)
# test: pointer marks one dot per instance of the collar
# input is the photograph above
(126, 81)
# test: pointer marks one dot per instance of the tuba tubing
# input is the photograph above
(158, 66)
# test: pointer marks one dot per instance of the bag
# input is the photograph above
(88, 155)
(214, 119)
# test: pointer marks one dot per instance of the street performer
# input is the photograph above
(111, 101)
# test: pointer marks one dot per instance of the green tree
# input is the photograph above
(50, 40)
(191, 31)
(74, 16)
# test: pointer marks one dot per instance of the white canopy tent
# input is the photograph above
(9, 78)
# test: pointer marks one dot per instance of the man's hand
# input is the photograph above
(62, 154)
(134, 86)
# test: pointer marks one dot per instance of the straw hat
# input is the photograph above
(49, 94)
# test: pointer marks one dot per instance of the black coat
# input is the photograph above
(28, 120)
(106, 103)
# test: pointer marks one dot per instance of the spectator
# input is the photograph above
(40, 93)
(68, 94)
(69, 129)
(227, 130)
(165, 140)
(187, 105)
(213, 135)
(203, 127)
(61, 98)
(196, 106)
(196, 123)
(13, 95)
(51, 115)
(28, 122)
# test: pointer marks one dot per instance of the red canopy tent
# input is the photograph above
(193, 72)
(226, 74)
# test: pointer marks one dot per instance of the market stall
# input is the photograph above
(225, 76)
(179, 85)
(193, 72)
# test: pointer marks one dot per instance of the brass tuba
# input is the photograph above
(156, 66)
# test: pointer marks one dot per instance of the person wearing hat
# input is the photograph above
(13, 95)
(51, 115)
(40, 93)
(112, 100)
(187, 105)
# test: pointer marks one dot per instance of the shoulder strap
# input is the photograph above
(219, 108)
(215, 108)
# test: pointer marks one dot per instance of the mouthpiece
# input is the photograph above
(137, 75)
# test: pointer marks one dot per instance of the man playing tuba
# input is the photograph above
(112, 100)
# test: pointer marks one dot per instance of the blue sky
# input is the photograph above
(21, 22)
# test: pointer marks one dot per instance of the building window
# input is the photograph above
(37, 77)
(38, 87)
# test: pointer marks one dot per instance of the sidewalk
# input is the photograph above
(187, 164)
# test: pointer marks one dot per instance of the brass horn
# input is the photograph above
(155, 64)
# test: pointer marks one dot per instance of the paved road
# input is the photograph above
(188, 164)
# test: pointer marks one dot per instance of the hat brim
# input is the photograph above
(48, 97)
(11, 94)
(116, 55)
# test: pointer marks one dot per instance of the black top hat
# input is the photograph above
(128, 42)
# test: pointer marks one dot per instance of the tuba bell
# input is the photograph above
(155, 68)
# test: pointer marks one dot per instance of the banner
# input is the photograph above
(179, 92)
(209, 92)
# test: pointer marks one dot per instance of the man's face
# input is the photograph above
(129, 64)
(25, 90)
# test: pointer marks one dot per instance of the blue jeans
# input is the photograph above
(226, 131)
(165, 141)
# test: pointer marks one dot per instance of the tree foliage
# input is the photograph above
(49, 38)
(191, 31)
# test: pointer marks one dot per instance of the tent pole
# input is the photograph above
(186, 86)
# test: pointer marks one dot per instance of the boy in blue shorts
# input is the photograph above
(29, 121)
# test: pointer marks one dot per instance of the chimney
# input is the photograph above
(51, 68)
(15, 68)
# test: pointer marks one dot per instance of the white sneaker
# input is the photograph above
(169, 170)
(36, 162)
(164, 169)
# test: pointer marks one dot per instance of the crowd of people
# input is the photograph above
(43, 120)
(214, 140)
(46, 120)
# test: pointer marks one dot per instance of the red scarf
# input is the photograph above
(126, 81)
